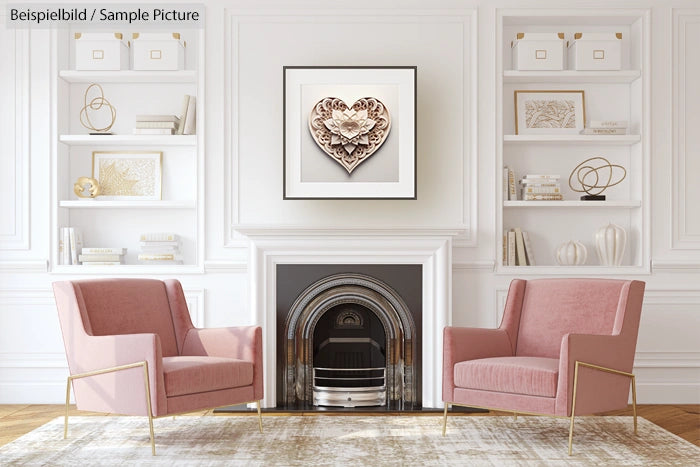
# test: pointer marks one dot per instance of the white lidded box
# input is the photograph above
(101, 51)
(158, 51)
(596, 51)
(538, 51)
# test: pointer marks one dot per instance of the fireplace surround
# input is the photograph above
(346, 337)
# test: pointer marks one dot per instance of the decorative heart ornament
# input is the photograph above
(349, 134)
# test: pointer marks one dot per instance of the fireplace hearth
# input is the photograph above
(349, 339)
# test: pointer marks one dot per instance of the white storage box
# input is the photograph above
(538, 51)
(596, 51)
(158, 51)
(101, 51)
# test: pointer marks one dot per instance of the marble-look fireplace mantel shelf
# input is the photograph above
(430, 247)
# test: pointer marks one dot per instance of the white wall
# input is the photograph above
(247, 43)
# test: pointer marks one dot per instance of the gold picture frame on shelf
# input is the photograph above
(128, 175)
(549, 112)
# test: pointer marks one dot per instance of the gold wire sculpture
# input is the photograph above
(96, 103)
(595, 187)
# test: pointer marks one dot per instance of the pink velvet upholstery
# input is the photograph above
(112, 322)
(527, 364)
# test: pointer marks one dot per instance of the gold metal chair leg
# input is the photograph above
(259, 416)
(65, 423)
(444, 420)
(515, 415)
(148, 406)
(573, 409)
(634, 404)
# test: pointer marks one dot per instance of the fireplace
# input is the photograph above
(349, 336)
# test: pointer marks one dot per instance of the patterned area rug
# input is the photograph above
(349, 440)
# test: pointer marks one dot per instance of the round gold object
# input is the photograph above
(595, 175)
(86, 187)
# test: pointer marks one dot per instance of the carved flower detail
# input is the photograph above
(349, 134)
(349, 128)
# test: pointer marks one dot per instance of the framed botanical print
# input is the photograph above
(539, 112)
(126, 175)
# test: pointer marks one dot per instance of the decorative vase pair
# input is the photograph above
(610, 242)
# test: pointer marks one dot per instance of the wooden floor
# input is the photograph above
(682, 420)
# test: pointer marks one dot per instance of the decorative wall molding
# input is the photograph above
(466, 17)
(671, 265)
(683, 78)
(14, 229)
(31, 266)
(485, 266)
(225, 266)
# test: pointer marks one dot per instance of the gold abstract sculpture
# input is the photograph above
(95, 104)
(349, 134)
(86, 187)
(588, 175)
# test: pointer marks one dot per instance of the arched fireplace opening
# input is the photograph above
(350, 342)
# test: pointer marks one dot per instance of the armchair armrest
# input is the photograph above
(460, 344)
(242, 343)
(599, 391)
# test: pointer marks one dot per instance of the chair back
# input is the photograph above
(123, 306)
(552, 308)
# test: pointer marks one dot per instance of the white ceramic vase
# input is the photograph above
(610, 242)
(572, 253)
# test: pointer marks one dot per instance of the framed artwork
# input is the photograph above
(127, 175)
(549, 112)
(349, 132)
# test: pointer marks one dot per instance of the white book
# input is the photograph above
(540, 189)
(183, 114)
(153, 131)
(101, 263)
(160, 257)
(512, 193)
(190, 126)
(157, 118)
(511, 248)
(505, 183)
(604, 131)
(65, 240)
(158, 237)
(529, 252)
(100, 257)
(160, 249)
(103, 251)
(542, 197)
(169, 125)
(544, 176)
(608, 124)
(520, 260)
(74, 243)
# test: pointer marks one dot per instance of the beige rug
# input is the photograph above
(349, 441)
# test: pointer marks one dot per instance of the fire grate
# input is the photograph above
(349, 387)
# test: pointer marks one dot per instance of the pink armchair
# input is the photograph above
(565, 347)
(124, 334)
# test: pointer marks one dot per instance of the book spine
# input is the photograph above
(100, 257)
(505, 248)
(163, 257)
(101, 263)
(191, 120)
(162, 125)
(540, 190)
(505, 184)
(512, 193)
(103, 251)
(73, 245)
(156, 118)
(158, 237)
(153, 131)
(541, 197)
(604, 131)
(521, 260)
(183, 114)
(607, 124)
(64, 245)
(511, 248)
(541, 176)
(529, 253)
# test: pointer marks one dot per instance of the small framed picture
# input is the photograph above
(126, 175)
(349, 132)
(549, 112)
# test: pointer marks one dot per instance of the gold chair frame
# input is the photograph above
(147, 387)
(573, 403)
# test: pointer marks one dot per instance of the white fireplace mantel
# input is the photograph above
(429, 247)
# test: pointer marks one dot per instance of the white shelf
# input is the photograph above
(572, 204)
(130, 204)
(571, 76)
(133, 140)
(161, 269)
(128, 76)
(587, 139)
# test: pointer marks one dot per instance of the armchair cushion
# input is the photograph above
(533, 376)
(193, 374)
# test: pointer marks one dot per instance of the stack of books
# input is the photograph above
(70, 242)
(160, 248)
(97, 256)
(540, 188)
(517, 249)
(156, 124)
(188, 117)
(606, 127)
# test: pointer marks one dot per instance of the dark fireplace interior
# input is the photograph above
(348, 336)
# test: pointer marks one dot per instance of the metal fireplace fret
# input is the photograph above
(349, 387)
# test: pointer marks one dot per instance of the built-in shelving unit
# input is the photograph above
(115, 223)
(608, 95)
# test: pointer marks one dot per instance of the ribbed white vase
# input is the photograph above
(572, 253)
(610, 242)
